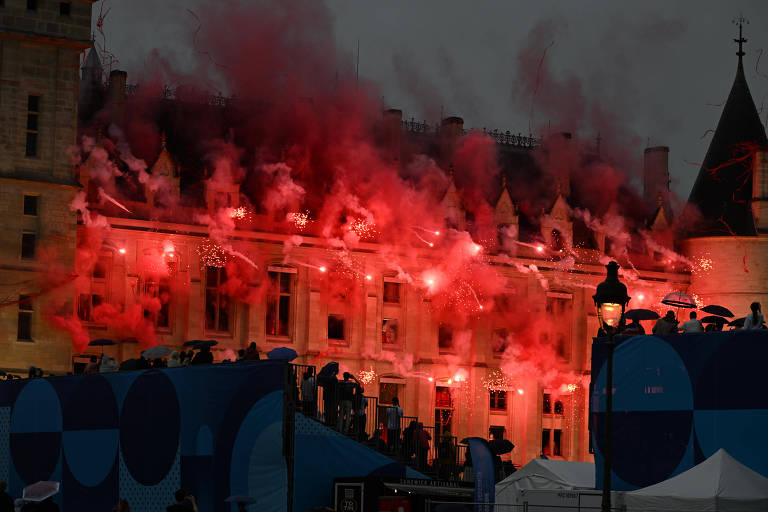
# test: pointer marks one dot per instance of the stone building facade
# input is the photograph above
(41, 43)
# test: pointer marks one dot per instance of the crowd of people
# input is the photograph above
(668, 324)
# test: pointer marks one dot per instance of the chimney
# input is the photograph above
(451, 129)
(393, 128)
(655, 174)
(116, 96)
(760, 190)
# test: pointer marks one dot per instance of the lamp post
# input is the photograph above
(610, 300)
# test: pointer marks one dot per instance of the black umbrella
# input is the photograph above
(101, 342)
(192, 343)
(739, 322)
(500, 446)
(717, 310)
(714, 320)
(641, 314)
(329, 370)
(206, 343)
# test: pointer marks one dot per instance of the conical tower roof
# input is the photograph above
(723, 189)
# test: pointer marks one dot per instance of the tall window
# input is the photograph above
(87, 302)
(28, 242)
(546, 404)
(556, 442)
(389, 331)
(391, 292)
(24, 329)
(30, 205)
(336, 327)
(279, 303)
(33, 112)
(498, 400)
(160, 289)
(545, 442)
(499, 341)
(217, 307)
(559, 310)
(445, 337)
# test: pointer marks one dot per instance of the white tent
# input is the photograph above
(546, 474)
(720, 483)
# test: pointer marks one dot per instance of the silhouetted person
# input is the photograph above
(252, 352)
(204, 356)
(394, 413)
(633, 329)
(92, 366)
(6, 501)
(754, 320)
(185, 502)
(666, 325)
(309, 393)
(692, 325)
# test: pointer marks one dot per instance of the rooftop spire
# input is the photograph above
(740, 21)
(721, 194)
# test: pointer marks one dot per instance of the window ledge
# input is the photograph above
(499, 411)
(279, 339)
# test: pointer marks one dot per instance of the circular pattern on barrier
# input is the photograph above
(91, 419)
(149, 427)
(654, 409)
(35, 436)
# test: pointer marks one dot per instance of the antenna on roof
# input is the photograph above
(740, 21)
(357, 65)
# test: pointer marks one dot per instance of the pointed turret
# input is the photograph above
(723, 188)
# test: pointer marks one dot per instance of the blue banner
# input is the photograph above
(485, 476)
(214, 430)
(677, 399)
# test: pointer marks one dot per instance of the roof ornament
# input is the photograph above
(740, 21)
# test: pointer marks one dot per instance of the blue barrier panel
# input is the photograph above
(216, 430)
(677, 400)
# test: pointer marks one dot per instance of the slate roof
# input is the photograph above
(723, 189)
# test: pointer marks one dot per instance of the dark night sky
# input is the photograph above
(658, 67)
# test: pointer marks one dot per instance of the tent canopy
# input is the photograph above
(546, 474)
(719, 483)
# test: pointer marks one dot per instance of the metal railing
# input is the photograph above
(422, 448)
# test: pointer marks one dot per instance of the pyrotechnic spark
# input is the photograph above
(497, 380)
(364, 229)
(112, 200)
(367, 376)
(571, 387)
(243, 257)
(121, 250)
(640, 296)
(211, 254)
(369, 277)
(702, 266)
(322, 269)
(299, 220)
(427, 242)
(240, 213)
(519, 391)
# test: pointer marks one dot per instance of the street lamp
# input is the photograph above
(610, 300)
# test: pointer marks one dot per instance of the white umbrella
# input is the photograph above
(40, 490)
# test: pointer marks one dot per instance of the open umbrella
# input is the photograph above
(679, 300)
(101, 342)
(155, 352)
(712, 319)
(718, 310)
(192, 343)
(500, 446)
(641, 314)
(739, 322)
(40, 490)
(200, 343)
(282, 353)
(329, 370)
